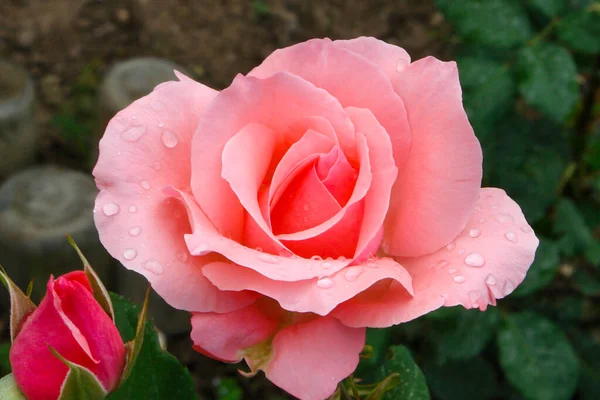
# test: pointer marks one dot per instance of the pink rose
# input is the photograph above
(333, 188)
(72, 322)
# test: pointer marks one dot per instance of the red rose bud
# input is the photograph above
(70, 321)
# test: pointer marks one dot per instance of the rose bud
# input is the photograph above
(71, 322)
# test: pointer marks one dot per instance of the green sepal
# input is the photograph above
(20, 305)
(387, 384)
(80, 383)
(134, 346)
(100, 293)
(9, 389)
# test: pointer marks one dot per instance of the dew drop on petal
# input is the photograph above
(129, 254)
(526, 229)
(451, 246)
(135, 231)
(133, 209)
(145, 185)
(133, 134)
(316, 258)
(153, 266)
(452, 270)
(475, 260)
(504, 217)
(268, 258)
(473, 295)
(352, 273)
(183, 256)
(490, 280)
(156, 165)
(169, 139)
(440, 264)
(459, 279)
(474, 232)
(326, 265)
(511, 237)
(110, 209)
(325, 283)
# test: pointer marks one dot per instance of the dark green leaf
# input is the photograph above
(543, 270)
(537, 358)
(4, 358)
(466, 334)
(586, 283)
(592, 152)
(229, 389)
(412, 382)
(379, 340)
(588, 351)
(471, 379)
(488, 91)
(157, 375)
(576, 237)
(497, 23)
(550, 8)
(580, 31)
(548, 79)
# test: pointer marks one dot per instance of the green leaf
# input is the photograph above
(4, 358)
(156, 375)
(80, 383)
(466, 334)
(592, 151)
(543, 270)
(471, 379)
(229, 389)
(387, 384)
(488, 91)
(537, 358)
(100, 293)
(20, 305)
(135, 346)
(576, 237)
(588, 351)
(379, 340)
(548, 79)
(9, 389)
(550, 8)
(497, 23)
(412, 382)
(580, 31)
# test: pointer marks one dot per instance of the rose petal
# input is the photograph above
(205, 239)
(488, 260)
(438, 186)
(391, 59)
(318, 296)
(237, 330)
(322, 345)
(351, 78)
(276, 102)
(337, 175)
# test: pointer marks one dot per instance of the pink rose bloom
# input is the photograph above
(72, 322)
(335, 187)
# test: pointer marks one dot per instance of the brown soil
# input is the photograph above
(67, 45)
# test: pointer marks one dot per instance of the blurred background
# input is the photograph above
(530, 71)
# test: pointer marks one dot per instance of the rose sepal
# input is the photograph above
(20, 304)
(80, 383)
(9, 389)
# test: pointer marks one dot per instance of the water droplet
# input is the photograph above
(153, 266)
(504, 217)
(473, 295)
(459, 279)
(481, 220)
(133, 117)
(156, 165)
(451, 246)
(268, 258)
(508, 287)
(440, 264)
(452, 270)
(111, 209)
(461, 252)
(201, 249)
(400, 65)
(490, 280)
(511, 237)
(325, 283)
(474, 232)
(135, 231)
(316, 258)
(145, 185)
(526, 229)
(372, 264)
(161, 124)
(326, 265)
(169, 139)
(133, 133)
(475, 260)
(129, 254)
(133, 208)
(353, 273)
(183, 256)
(306, 207)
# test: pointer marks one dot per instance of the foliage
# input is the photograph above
(530, 72)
